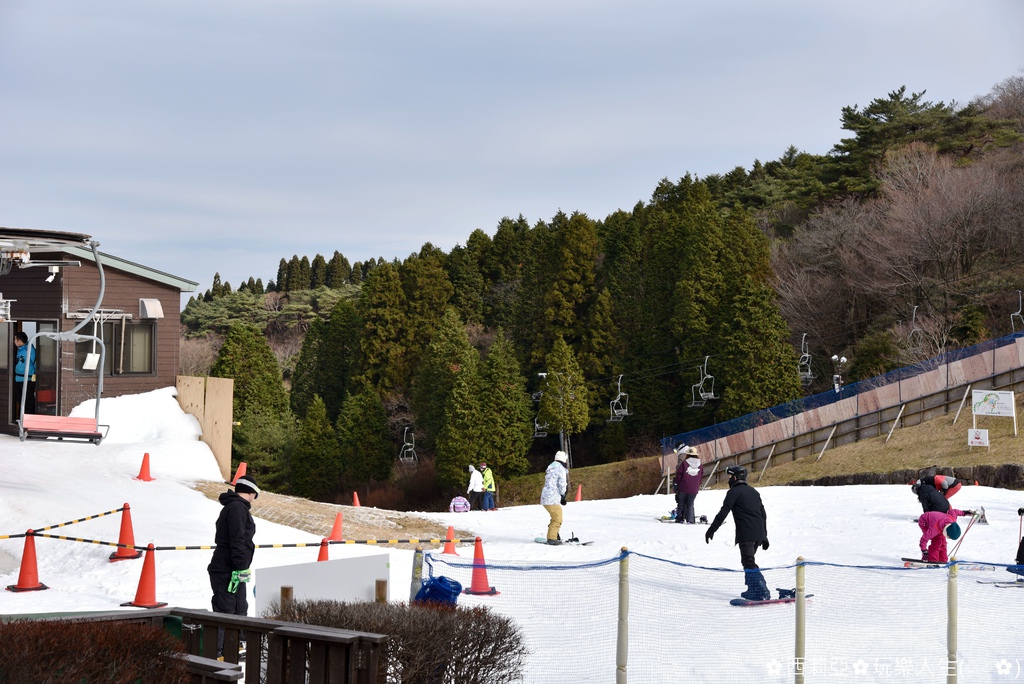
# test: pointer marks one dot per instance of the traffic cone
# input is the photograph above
(323, 552)
(480, 585)
(355, 499)
(335, 534)
(239, 473)
(579, 492)
(145, 596)
(28, 578)
(127, 537)
(144, 470)
(449, 543)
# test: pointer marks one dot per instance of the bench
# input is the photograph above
(35, 426)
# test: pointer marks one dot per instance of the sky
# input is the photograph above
(197, 137)
(869, 619)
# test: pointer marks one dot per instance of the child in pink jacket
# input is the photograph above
(933, 526)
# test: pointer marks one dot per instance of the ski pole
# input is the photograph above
(961, 540)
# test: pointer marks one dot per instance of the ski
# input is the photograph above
(918, 563)
(1003, 583)
(766, 602)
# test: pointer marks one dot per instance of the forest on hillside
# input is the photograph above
(904, 241)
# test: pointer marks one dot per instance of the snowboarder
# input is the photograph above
(488, 482)
(751, 529)
(552, 497)
(232, 555)
(935, 527)
(689, 474)
(475, 488)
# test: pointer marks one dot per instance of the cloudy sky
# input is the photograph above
(196, 136)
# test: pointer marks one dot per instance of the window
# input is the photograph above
(129, 348)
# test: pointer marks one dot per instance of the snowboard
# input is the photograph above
(565, 542)
(766, 602)
(666, 519)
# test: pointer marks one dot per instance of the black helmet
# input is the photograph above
(737, 472)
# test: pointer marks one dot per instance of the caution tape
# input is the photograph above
(72, 522)
(295, 545)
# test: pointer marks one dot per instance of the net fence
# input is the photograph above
(862, 623)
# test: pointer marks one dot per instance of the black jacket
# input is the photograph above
(235, 530)
(747, 512)
(932, 499)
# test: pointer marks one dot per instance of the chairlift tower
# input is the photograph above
(704, 390)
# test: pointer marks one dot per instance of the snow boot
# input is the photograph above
(757, 588)
(786, 593)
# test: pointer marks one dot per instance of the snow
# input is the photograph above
(680, 585)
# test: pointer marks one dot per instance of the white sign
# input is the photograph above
(976, 437)
(992, 403)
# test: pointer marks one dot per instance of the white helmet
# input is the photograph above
(561, 456)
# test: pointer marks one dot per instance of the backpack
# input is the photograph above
(458, 505)
(440, 590)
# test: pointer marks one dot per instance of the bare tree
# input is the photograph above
(197, 354)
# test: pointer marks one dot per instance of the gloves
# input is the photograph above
(236, 577)
(924, 556)
(764, 544)
(708, 536)
(563, 499)
(969, 512)
(1020, 511)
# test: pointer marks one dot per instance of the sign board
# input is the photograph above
(976, 437)
(992, 403)
(345, 579)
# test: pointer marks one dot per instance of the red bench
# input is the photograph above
(34, 426)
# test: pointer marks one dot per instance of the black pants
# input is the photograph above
(684, 506)
(226, 602)
(747, 551)
(30, 397)
(474, 500)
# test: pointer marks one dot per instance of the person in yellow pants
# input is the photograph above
(552, 497)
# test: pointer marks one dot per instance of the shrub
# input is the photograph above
(88, 651)
(426, 643)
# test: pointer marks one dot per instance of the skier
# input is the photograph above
(935, 527)
(488, 482)
(689, 473)
(552, 497)
(475, 488)
(751, 529)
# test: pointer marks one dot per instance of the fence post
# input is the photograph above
(951, 623)
(622, 643)
(417, 573)
(799, 640)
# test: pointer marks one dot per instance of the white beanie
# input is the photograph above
(561, 456)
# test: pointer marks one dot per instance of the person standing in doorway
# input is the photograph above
(24, 367)
(552, 497)
(489, 488)
(229, 568)
(689, 474)
(475, 488)
(751, 529)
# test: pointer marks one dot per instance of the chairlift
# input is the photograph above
(804, 366)
(913, 327)
(408, 453)
(539, 430)
(619, 406)
(704, 390)
(1017, 315)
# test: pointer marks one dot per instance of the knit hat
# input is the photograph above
(561, 456)
(247, 485)
(471, 468)
(952, 530)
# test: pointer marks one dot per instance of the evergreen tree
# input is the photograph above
(315, 460)
(502, 271)
(338, 271)
(564, 402)
(339, 351)
(318, 272)
(246, 357)
(259, 287)
(282, 276)
(467, 284)
(448, 354)
(601, 349)
(218, 289)
(263, 438)
(294, 275)
(356, 275)
(382, 361)
(306, 377)
(366, 452)
(427, 292)
(462, 438)
(305, 275)
(506, 411)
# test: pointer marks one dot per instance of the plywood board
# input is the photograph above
(351, 579)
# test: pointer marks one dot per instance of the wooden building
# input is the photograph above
(138, 321)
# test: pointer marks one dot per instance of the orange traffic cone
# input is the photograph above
(127, 538)
(449, 543)
(144, 470)
(239, 473)
(323, 551)
(579, 492)
(28, 578)
(145, 596)
(355, 499)
(335, 534)
(480, 584)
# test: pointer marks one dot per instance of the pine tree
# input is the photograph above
(506, 411)
(462, 438)
(362, 429)
(318, 272)
(306, 377)
(282, 277)
(427, 292)
(448, 354)
(217, 289)
(339, 351)
(467, 284)
(564, 402)
(382, 361)
(338, 271)
(315, 460)
(246, 357)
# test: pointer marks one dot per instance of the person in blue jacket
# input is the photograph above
(24, 366)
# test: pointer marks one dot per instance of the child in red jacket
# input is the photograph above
(935, 527)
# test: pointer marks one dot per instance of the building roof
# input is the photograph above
(112, 261)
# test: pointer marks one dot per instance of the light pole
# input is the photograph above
(837, 377)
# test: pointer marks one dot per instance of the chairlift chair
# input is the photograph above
(408, 453)
(619, 406)
(704, 390)
(1017, 315)
(804, 366)
(539, 430)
